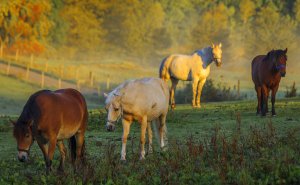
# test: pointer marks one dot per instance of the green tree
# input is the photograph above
(85, 31)
(272, 30)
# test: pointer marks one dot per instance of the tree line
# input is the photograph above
(146, 27)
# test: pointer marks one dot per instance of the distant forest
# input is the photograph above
(71, 28)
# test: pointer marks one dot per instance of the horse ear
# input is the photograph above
(212, 45)
(12, 122)
(285, 50)
(220, 45)
(105, 95)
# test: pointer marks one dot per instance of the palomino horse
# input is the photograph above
(267, 71)
(144, 100)
(49, 117)
(195, 68)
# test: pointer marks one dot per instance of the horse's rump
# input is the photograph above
(63, 111)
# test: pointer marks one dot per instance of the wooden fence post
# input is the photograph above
(62, 67)
(108, 82)
(59, 83)
(43, 79)
(1, 49)
(91, 78)
(17, 55)
(238, 89)
(27, 72)
(31, 60)
(8, 68)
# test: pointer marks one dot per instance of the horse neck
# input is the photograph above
(270, 67)
(206, 56)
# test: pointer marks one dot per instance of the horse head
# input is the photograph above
(23, 134)
(217, 54)
(279, 58)
(114, 110)
(281, 62)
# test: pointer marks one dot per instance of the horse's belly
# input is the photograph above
(180, 71)
(65, 133)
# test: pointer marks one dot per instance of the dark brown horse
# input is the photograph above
(267, 71)
(49, 117)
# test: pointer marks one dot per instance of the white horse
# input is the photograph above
(144, 100)
(195, 68)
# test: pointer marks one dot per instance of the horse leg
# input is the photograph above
(44, 148)
(126, 128)
(79, 147)
(172, 92)
(63, 151)
(51, 149)
(162, 131)
(258, 93)
(274, 91)
(199, 91)
(194, 86)
(149, 129)
(144, 124)
(268, 92)
(264, 100)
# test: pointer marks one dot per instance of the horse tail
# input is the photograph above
(156, 124)
(72, 147)
(164, 68)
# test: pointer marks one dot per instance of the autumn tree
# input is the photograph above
(25, 25)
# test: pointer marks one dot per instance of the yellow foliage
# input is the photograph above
(247, 9)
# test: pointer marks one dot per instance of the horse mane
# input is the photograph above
(30, 110)
(201, 51)
(275, 53)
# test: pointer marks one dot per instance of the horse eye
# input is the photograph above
(27, 135)
(116, 109)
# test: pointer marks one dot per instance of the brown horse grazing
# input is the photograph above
(49, 117)
(267, 71)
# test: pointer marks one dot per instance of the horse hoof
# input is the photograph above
(274, 115)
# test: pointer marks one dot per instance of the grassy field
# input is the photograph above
(14, 94)
(222, 143)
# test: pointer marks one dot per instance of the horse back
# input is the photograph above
(62, 111)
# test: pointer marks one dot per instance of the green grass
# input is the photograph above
(222, 143)
(14, 94)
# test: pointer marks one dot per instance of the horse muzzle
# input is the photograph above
(218, 63)
(282, 74)
(23, 156)
(110, 127)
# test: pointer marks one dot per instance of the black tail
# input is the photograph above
(72, 147)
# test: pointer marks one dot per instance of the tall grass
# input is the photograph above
(262, 155)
